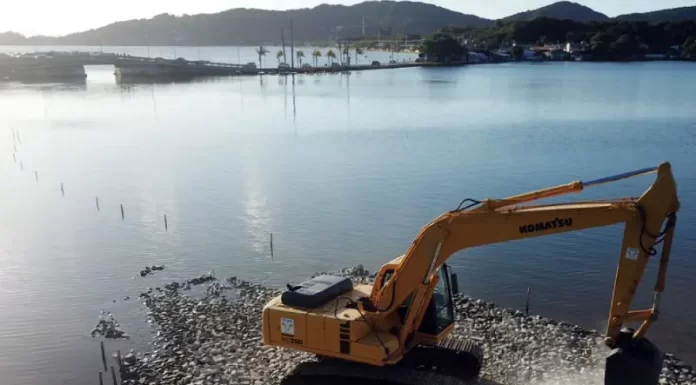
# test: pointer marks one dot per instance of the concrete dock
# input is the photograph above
(52, 66)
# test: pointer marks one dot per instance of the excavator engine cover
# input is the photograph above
(316, 291)
(635, 361)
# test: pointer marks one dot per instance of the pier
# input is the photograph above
(70, 66)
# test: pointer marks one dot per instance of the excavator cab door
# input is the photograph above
(440, 312)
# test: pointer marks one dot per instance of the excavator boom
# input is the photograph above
(495, 221)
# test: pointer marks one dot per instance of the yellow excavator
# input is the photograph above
(398, 330)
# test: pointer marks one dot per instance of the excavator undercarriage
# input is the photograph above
(454, 361)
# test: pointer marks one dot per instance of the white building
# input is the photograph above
(576, 47)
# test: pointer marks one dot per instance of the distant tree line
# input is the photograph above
(612, 39)
(331, 56)
(443, 47)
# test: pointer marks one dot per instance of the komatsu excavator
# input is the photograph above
(398, 329)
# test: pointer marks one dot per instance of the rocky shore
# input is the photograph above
(215, 338)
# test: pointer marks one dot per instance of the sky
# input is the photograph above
(59, 17)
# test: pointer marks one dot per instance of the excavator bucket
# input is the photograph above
(634, 361)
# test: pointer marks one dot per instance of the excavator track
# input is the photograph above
(453, 356)
(452, 362)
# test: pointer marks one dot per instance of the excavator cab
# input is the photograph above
(439, 316)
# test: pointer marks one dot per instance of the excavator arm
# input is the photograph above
(494, 221)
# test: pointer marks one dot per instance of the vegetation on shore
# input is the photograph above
(605, 40)
(444, 48)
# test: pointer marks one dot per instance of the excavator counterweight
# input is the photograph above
(398, 329)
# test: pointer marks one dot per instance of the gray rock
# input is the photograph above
(216, 339)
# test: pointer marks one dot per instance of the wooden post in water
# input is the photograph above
(101, 378)
(21, 165)
(36, 175)
(14, 157)
(113, 375)
(271, 245)
(526, 306)
(165, 222)
(103, 355)
(98, 209)
(123, 215)
(118, 359)
(62, 190)
(292, 44)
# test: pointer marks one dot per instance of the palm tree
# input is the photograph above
(300, 55)
(261, 51)
(358, 51)
(346, 53)
(316, 55)
(330, 56)
(279, 54)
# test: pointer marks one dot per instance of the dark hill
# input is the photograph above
(560, 10)
(674, 14)
(256, 26)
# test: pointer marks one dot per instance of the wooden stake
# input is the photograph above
(103, 355)
(36, 175)
(62, 191)
(113, 375)
(271, 245)
(165, 222)
(98, 209)
(101, 378)
(14, 156)
(21, 165)
(118, 359)
(526, 306)
(123, 215)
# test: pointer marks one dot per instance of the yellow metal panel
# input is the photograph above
(370, 347)
(316, 339)
(430, 339)
(331, 333)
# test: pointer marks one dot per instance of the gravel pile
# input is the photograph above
(150, 270)
(108, 327)
(216, 339)
(213, 340)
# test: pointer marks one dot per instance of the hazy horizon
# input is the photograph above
(69, 16)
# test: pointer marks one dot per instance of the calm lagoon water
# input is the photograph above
(342, 169)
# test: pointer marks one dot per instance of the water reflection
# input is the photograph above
(294, 104)
(283, 80)
(347, 91)
(257, 215)
(43, 85)
(131, 84)
(128, 82)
